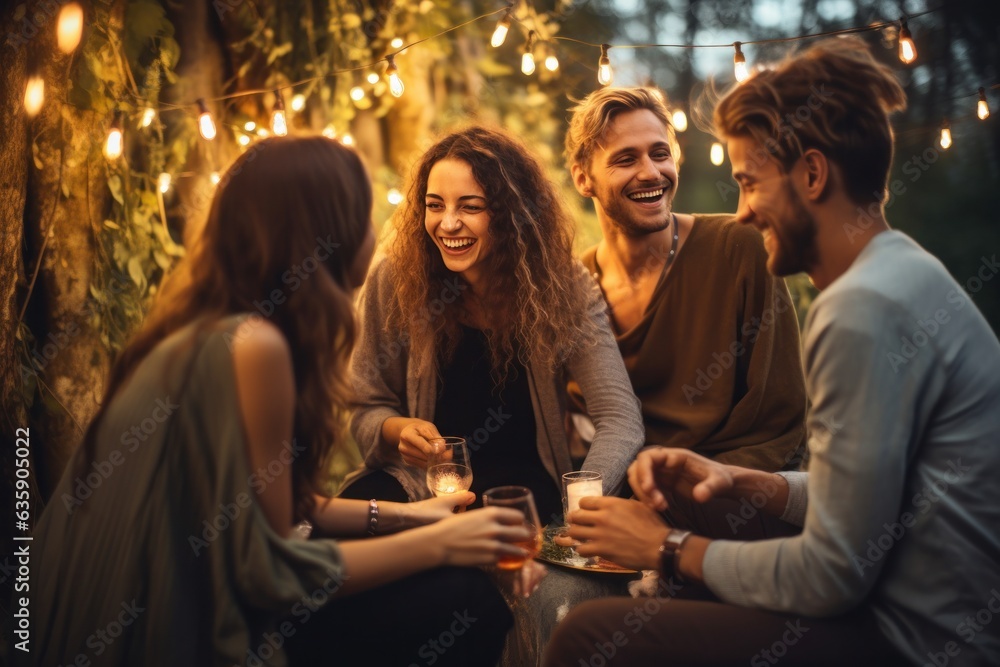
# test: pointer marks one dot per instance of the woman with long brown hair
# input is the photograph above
(170, 539)
(470, 325)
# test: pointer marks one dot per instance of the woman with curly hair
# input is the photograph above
(472, 322)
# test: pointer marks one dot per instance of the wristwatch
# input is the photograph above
(670, 553)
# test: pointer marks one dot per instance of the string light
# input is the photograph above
(347, 139)
(298, 102)
(373, 78)
(205, 123)
(148, 116)
(500, 34)
(396, 42)
(163, 182)
(279, 124)
(716, 154)
(983, 108)
(680, 120)
(357, 93)
(69, 30)
(34, 96)
(263, 132)
(243, 140)
(395, 83)
(215, 178)
(552, 63)
(907, 49)
(115, 141)
(249, 126)
(329, 132)
(740, 64)
(945, 140)
(604, 73)
(528, 58)
(395, 197)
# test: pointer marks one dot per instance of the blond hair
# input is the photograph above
(834, 97)
(592, 116)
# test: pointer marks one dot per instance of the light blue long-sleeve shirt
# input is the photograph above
(901, 505)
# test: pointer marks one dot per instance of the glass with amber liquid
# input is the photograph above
(520, 499)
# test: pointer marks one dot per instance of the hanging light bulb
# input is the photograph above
(907, 49)
(551, 62)
(395, 197)
(983, 108)
(243, 140)
(205, 123)
(34, 96)
(528, 58)
(347, 139)
(163, 182)
(396, 42)
(329, 132)
(263, 132)
(70, 27)
(604, 73)
(680, 120)
(115, 142)
(740, 64)
(373, 78)
(148, 116)
(298, 102)
(500, 34)
(716, 154)
(357, 93)
(249, 126)
(395, 83)
(945, 140)
(279, 124)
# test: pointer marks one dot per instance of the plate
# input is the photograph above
(554, 554)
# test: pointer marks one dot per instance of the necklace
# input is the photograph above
(598, 274)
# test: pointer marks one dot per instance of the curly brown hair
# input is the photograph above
(537, 303)
(273, 208)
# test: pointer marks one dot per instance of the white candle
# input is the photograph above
(578, 490)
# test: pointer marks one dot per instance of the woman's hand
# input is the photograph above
(413, 442)
(625, 532)
(479, 537)
(423, 512)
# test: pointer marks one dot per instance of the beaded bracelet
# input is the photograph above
(372, 516)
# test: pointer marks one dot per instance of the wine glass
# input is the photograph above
(519, 498)
(448, 468)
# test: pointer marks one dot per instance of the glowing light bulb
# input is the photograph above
(983, 107)
(604, 73)
(298, 102)
(163, 182)
(250, 126)
(34, 96)
(680, 120)
(263, 132)
(243, 140)
(279, 124)
(205, 123)
(945, 140)
(396, 42)
(395, 197)
(70, 27)
(395, 83)
(329, 132)
(115, 142)
(357, 93)
(148, 116)
(907, 49)
(373, 78)
(716, 154)
(527, 63)
(500, 34)
(215, 178)
(551, 63)
(347, 139)
(740, 64)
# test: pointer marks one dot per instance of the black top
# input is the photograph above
(498, 424)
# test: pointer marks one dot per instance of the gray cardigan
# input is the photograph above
(391, 380)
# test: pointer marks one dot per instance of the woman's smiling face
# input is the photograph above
(457, 218)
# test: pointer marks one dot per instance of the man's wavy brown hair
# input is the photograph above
(271, 210)
(834, 97)
(536, 303)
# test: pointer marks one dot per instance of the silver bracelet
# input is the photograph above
(372, 516)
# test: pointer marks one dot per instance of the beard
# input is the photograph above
(618, 207)
(794, 239)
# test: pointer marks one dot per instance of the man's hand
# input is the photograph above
(660, 472)
(625, 532)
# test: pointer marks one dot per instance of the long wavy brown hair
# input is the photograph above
(278, 203)
(537, 302)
